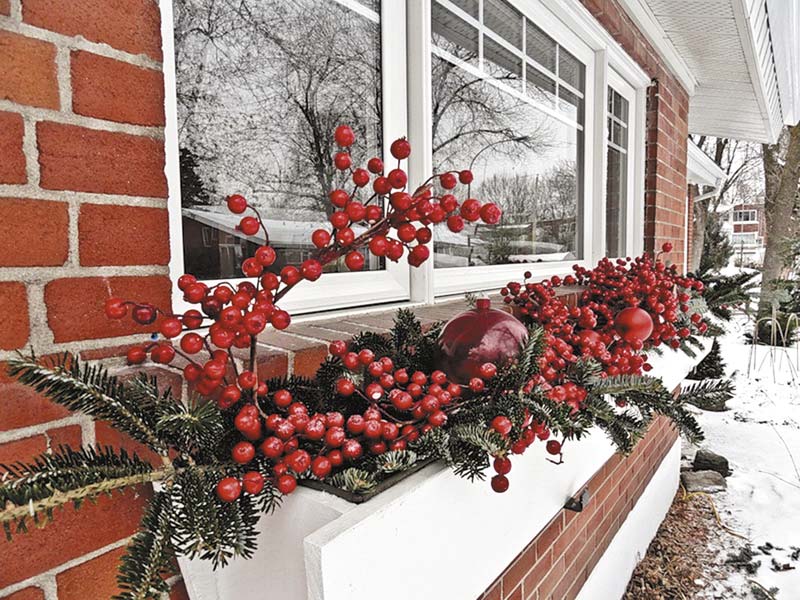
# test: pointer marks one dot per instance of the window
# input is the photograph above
(618, 172)
(260, 86)
(509, 100)
(503, 87)
(745, 216)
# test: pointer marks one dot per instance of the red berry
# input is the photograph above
(553, 447)
(136, 355)
(229, 489)
(351, 449)
(502, 465)
(236, 203)
(448, 181)
(311, 269)
(345, 387)
(487, 370)
(354, 260)
(342, 161)
(272, 447)
(253, 482)
(666, 247)
(321, 467)
(378, 245)
(471, 209)
(465, 177)
(266, 256)
(361, 177)
(491, 213)
(144, 314)
(249, 225)
(338, 348)
(375, 165)
(339, 198)
(455, 223)
(400, 149)
(280, 319)
(286, 484)
(282, 398)
(115, 308)
(398, 178)
(243, 452)
(502, 425)
(500, 483)
(344, 136)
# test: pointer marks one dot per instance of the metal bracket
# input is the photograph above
(577, 503)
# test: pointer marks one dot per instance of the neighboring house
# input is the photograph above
(578, 110)
(746, 227)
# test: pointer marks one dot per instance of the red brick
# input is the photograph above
(549, 535)
(33, 233)
(27, 449)
(178, 591)
(105, 162)
(22, 450)
(307, 362)
(12, 167)
(130, 25)
(116, 91)
(123, 235)
(516, 594)
(14, 324)
(29, 593)
(23, 407)
(94, 579)
(75, 306)
(72, 533)
(28, 71)
(5, 7)
(519, 568)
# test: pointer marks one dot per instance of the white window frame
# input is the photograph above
(333, 290)
(627, 91)
(406, 47)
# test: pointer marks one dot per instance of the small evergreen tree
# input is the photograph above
(717, 248)
(193, 188)
(711, 367)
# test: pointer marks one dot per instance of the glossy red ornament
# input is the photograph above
(633, 324)
(478, 336)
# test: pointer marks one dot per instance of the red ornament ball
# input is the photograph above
(478, 336)
(633, 324)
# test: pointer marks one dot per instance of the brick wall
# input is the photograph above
(83, 216)
(667, 132)
(559, 560)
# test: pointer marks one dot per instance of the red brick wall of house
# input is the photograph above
(667, 132)
(83, 215)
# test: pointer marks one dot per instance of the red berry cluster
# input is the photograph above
(401, 407)
(231, 316)
(626, 307)
(531, 431)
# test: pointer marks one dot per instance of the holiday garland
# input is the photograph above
(378, 405)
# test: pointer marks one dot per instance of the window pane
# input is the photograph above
(527, 162)
(570, 104)
(504, 20)
(454, 35)
(468, 6)
(540, 47)
(261, 87)
(502, 64)
(571, 70)
(616, 174)
(616, 201)
(539, 86)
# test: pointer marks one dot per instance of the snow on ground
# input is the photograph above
(760, 436)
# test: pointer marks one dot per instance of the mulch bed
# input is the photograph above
(681, 556)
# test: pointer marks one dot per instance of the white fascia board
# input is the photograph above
(701, 169)
(645, 20)
(772, 125)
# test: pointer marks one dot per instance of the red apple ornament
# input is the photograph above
(478, 336)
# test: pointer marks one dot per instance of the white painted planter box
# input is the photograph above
(434, 535)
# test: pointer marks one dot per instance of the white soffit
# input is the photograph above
(726, 46)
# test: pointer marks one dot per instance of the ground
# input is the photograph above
(697, 556)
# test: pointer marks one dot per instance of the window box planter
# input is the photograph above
(446, 536)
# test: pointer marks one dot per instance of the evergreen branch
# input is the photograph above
(146, 564)
(706, 392)
(197, 426)
(76, 496)
(394, 461)
(91, 390)
(624, 384)
(66, 470)
(353, 480)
